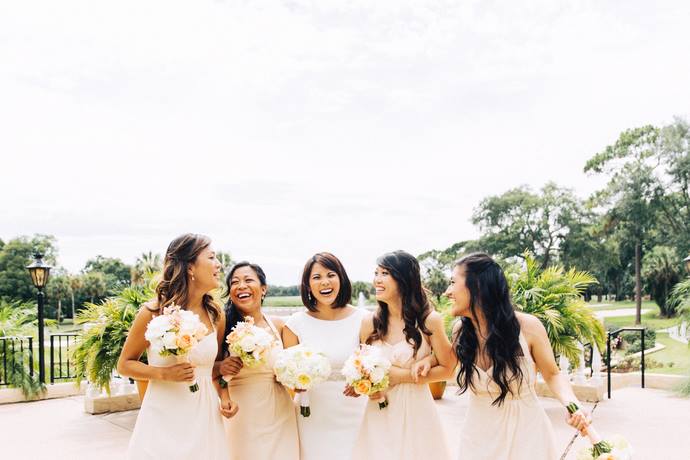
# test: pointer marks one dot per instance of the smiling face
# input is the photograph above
(386, 287)
(324, 284)
(458, 293)
(205, 270)
(246, 291)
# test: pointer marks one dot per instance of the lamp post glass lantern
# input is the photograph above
(40, 271)
(687, 263)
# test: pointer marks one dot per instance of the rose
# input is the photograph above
(362, 387)
(377, 374)
(184, 341)
(247, 343)
(170, 341)
(303, 380)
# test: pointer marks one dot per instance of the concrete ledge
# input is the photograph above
(56, 390)
(651, 380)
(118, 403)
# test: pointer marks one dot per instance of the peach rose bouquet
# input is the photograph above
(175, 333)
(366, 371)
(249, 343)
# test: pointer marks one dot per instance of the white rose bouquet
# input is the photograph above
(366, 371)
(249, 343)
(614, 448)
(300, 368)
(175, 333)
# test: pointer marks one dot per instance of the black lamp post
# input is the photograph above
(39, 271)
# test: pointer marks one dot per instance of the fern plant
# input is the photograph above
(96, 355)
(555, 296)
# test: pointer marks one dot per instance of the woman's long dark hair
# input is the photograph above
(404, 269)
(489, 293)
(174, 285)
(232, 314)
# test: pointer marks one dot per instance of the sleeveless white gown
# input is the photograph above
(329, 433)
(174, 423)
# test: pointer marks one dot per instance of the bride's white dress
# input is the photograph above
(173, 422)
(329, 433)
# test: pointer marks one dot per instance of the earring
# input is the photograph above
(192, 276)
(310, 297)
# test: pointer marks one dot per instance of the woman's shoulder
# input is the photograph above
(278, 321)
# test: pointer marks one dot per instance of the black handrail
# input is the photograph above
(12, 349)
(610, 335)
(67, 372)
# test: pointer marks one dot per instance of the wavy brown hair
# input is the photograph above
(404, 268)
(174, 285)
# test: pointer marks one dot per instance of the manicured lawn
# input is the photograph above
(650, 320)
(610, 305)
(675, 352)
(283, 301)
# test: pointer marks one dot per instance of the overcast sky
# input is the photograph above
(282, 128)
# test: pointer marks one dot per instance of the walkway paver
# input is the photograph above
(654, 421)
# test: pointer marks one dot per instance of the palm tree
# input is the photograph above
(555, 296)
(145, 265)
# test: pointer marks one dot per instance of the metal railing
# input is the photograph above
(613, 334)
(15, 348)
(61, 368)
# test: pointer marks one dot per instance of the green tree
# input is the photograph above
(75, 284)
(118, 275)
(362, 286)
(94, 285)
(15, 255)
(554, 295)
(520, 220)
(58, 289)
(661, 270)
(630, 193)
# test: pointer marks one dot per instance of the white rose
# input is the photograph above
(247, 343)
(170, 341)
(377, 374)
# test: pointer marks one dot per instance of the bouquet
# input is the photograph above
(614, 448)
(366, 371)
(300, 368)
(249, 343)
(175, 333)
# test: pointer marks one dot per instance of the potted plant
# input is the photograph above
(108, 324)
(443, 306)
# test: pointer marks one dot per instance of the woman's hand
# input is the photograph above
(349, 391)
(230, 366)
(183, 372)
(379, 395)
(421, 367)
(228, 407)
(580, 420)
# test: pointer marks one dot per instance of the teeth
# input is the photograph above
(243, 296)
(326, 291)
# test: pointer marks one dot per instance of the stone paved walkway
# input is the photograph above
(655, 421)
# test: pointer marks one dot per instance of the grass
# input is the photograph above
(650, 319)
(283, 301)
(611, 305)
(675, 352)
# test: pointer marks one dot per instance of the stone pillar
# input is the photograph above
(596, 366)
(564, 364)
(580, 373)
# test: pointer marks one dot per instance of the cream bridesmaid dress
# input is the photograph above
(174, 423)
(517, 430)
(410, 427)
(330, 431)
(265, 427)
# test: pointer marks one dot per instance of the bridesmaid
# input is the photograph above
(499, 351)
(329, 325)
(266, 427)
(174, 423)
(406, 329)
